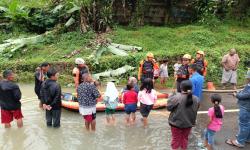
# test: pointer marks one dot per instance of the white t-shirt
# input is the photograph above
(164, 70)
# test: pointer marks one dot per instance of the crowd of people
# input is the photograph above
(183, 103)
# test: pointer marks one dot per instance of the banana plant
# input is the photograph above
(13, 10)
(114, 73)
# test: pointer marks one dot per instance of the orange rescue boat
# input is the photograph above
(69, 101)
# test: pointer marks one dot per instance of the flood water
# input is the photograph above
(72, 135)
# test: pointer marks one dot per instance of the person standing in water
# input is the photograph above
(183, 109)
(111, 102)
(147, 97)
(130, 99)
(40, 77)
(87, 95)
(51, 99)
(132, 81)
(80, 69)
(230, 64)
(10, 96)
(215, 115)
(147, 68)
(182, 73)
(197, 81)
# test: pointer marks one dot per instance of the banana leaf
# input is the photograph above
(57, 8)
(70, 22)
(114, 73)
(75, 8)
(126, 47)
(116, 51)
(16, 44)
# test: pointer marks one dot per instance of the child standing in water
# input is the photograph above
(215, 115)
(130, 102)
(111, 102)
(183, 107)
(147, 97)
(164, 71)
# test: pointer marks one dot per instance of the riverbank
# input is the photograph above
(164, 42)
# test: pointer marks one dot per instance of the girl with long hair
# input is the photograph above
(183, 107)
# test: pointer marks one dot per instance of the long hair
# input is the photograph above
(186, 87)
(148, 85)
(216, 100)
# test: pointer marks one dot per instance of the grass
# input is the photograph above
(163, 41)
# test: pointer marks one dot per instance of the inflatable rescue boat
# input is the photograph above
(69, 101)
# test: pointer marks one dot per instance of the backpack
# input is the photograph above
(147, 67)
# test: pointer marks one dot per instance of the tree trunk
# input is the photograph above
(83, 20)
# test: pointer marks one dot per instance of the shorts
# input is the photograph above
(209, 136)
(109, 111)
(145, 109)
(7, 116)
(89, 118)
(130, 108)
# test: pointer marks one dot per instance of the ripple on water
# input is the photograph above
(73, 136)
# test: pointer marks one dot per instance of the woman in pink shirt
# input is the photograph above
(147, 97)
(215, 115)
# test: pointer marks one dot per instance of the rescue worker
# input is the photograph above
(201, 63)
(182, 73)
(80, 69)
(147, 68)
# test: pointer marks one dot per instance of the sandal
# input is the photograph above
(233, 143)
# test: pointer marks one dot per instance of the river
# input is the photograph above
(72, 135)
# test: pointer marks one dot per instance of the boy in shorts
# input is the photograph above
(10, 96)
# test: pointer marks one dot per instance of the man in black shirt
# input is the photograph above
(51, 98)
(10, 96)
(40, 77)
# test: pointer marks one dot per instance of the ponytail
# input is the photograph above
(216, 99)
(186, 88)
(189, 101)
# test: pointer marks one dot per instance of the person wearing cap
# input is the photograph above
(243, 135)
(183, 74)
(200, 62)
(147, 68)
(40, 77)
(230, 64)
(80, 69)
(10, 96)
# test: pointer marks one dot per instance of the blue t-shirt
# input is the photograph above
(197, 82)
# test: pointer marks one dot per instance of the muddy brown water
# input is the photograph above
(72, 135)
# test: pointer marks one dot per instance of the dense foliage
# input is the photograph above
(220, 25)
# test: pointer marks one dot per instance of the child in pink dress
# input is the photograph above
(215, 115)
(147, 97)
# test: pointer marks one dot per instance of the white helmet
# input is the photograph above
(79, 61)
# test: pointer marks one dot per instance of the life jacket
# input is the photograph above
(200, 63)
(183, 70)
(148, 67)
